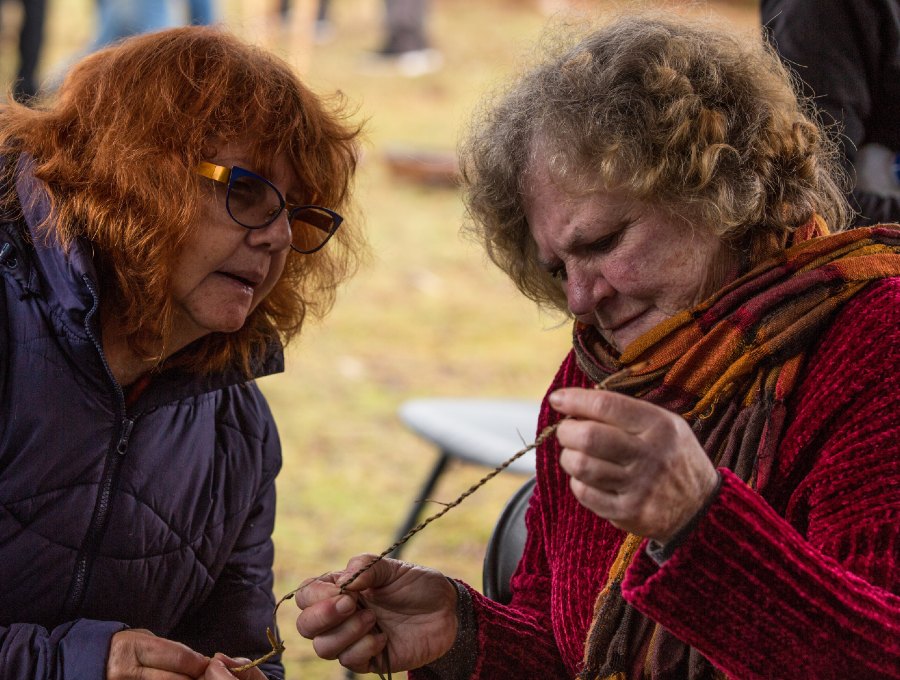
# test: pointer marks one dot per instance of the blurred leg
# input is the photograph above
(31, 39)
(121, 18)
(322, 11)
(202, 12)
(405, 26)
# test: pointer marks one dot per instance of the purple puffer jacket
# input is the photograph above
(154, 516)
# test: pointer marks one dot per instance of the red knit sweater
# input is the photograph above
(800, 585)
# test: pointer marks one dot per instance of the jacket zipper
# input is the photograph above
(115, 456)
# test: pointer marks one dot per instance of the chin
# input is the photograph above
(228, 324)
(232, 325)
(621, 341)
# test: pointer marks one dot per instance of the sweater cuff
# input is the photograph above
(459, 662)
(660, 552)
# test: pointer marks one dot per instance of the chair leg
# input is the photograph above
(413, 517)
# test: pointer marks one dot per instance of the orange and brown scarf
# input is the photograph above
(728, 366)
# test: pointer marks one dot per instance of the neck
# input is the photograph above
(124, 363)
(126, 366)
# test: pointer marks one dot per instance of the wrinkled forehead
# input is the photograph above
(548, 161)
(266, 160)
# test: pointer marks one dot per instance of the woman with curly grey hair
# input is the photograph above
(722, 491)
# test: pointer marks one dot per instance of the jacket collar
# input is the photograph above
(61, 280)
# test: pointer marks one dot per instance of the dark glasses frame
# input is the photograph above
(228, 176)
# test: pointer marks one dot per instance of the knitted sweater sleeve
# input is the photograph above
(520, 635)
(808, 587)
(494, 638)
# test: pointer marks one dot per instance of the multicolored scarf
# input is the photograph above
(728, 366)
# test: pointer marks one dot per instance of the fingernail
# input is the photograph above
(555, 398)
(242, 661)
(345, 605)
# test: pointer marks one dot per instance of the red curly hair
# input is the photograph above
(117, 147)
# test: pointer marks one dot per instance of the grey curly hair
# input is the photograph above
(682, 114)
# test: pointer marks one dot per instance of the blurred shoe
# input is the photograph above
(411, 64)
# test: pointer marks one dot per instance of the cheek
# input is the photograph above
(186, 275)
(682, 275)
(627, 272)
(276, 269)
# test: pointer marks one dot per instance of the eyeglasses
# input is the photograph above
(254, 202)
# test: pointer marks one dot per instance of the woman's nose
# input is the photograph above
(275, 236)
(585, 290)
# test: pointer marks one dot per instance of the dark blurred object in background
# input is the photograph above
(31, 38)
(431, 168)
(847, 54)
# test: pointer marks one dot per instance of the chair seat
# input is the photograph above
(480, 431)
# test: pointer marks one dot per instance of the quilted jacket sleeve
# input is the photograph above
(73, 651)
(233, 619)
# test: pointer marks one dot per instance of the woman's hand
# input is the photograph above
(414, 609)
(631, 462)
(136, 654)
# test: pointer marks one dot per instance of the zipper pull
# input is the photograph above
(122, 446)
(8, 256)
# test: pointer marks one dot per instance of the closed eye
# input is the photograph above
(605, 244)
(559, 273)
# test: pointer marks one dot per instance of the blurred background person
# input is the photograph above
(31, 39)
(737, 479)
(847, 54)
(168, 225)
(406, 42)
(117, 19)
(202, 12)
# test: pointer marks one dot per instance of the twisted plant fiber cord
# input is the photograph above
(541, 438)
(278, 644)
(546, 433)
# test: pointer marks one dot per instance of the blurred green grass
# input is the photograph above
(428, 316)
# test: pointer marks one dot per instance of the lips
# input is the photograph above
(615, 326)
(251, 279)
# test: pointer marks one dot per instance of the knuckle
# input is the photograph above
(601, 400)
(579, 489)
(594, 439)
(324, 650)
(579, 465)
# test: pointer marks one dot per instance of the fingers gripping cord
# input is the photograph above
(383, 669)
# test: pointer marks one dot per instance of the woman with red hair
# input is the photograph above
(169, 219)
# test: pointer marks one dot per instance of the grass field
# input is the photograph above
(428, 316)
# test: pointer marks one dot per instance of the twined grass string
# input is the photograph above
(278, 644)
(546, 433)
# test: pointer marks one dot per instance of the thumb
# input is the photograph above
(368, 571)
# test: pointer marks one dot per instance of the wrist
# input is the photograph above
(661, 550)
(458, 661)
